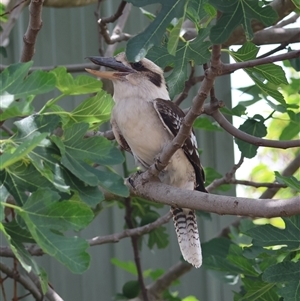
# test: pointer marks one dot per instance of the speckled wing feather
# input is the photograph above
(171, 116)
(185, 221)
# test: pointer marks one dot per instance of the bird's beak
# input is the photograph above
(120, 69)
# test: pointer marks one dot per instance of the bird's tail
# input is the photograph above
(186, 228)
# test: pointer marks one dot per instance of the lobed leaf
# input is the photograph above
(239, 12)
(82, 84)
(138, 46)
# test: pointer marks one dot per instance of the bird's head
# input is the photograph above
(139, 79)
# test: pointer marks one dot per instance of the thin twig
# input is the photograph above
(228, 127)
(227, 178)
(9, 25)
(13, 8)
(116, 15)
(27, 284)
(287, 21)
(51, 295)
(257, 184)
(135, 247)
(116, 237)
(107, 134)
(74, 68)
(187, 86)
(262, 61)
(293, 166)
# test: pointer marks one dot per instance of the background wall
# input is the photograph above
(67, 37)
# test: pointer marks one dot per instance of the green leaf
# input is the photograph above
(239, 12)
(21, 177)
(282, 272)
(206, 124)
(127, 266)
(274, 74)
(15, 84)
(237, 258)
(196, 51)
(76, 151)
(94, 110)
(268, 235)
(42, 212)
(292, 129)
(110, 181)
(258, 290)
(255, 128)
(95, 149)
(21, 151)
(290, 291)
(82, 84)
(138, 46)
(34, 125)
(16, 237)
(26, 264)
(174, 37)
(290, 181)
(91, 195)
(158, 237)
(238, 110)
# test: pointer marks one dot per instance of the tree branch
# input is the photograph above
(139, 231)
(288, 171)
(135, 247)
(34, 26)
(173, 196)
(283, 8)
(276, 35)
(14, 14)
(27, 284)
(228, 127)
(227, 178)
(74, 68)
(257, 184)
(163, 282)
(51, 295)
(229, 68)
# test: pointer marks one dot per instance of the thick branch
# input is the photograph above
(228, 127)
(27, 284)
(277, 36)
(34, 26)
(173, 196)
(282, 7)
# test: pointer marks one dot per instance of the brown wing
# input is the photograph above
(119, 137)
(171, 116)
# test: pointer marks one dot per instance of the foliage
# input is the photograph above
(57, 172)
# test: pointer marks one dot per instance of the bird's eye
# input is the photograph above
(137, 65)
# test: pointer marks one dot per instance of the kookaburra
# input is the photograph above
(144, 121)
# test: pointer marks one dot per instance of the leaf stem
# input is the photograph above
(50, 103)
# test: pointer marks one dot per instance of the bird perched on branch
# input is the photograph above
(144, 121)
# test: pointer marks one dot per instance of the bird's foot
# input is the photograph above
(133, 177)
(157, 163)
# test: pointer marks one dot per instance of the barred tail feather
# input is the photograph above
(186, 228)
